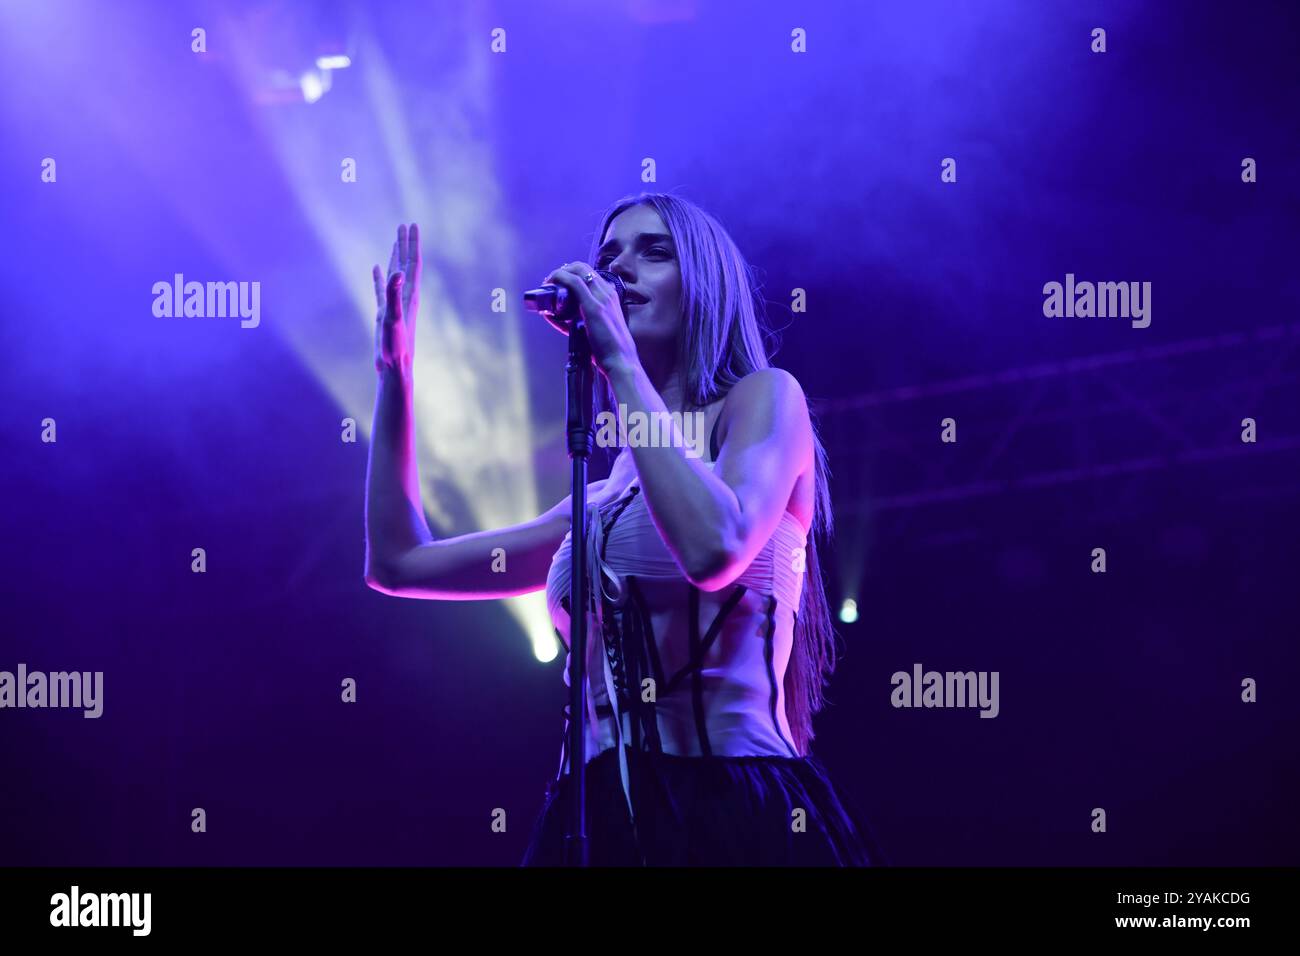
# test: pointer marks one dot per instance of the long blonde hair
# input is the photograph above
(723, 342)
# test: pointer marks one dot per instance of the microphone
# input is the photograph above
(555, 304)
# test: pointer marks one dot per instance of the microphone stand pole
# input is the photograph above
(578, 381)
(563, 313)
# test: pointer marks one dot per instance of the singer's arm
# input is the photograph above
(402, 557)
(715, 522)
(395, 522)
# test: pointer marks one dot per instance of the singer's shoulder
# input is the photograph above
(772, 388)
(768, 405)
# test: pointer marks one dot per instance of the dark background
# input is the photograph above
(1118, 690)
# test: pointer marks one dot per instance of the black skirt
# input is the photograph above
(706, 811)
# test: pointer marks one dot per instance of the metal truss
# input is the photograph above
(1061, 423)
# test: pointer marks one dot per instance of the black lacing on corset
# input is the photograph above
(613, 638)
(769, 656)
(634, 655)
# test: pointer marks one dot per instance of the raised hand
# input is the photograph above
(397, 300)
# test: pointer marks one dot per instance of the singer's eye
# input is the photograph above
(659, 251)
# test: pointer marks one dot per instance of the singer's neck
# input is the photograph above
(668, 381)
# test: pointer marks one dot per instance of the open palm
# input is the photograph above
(397, 298)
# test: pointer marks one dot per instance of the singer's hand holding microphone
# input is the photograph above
(599, 296)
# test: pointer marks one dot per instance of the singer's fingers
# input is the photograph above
(413, 248)
(581, 269)
(379, 286)
(401, 247)
(393, 312)
(564, 277)
(600, 288)
(572, 281)
(393, 264)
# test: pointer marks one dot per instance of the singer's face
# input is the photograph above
(638, 249)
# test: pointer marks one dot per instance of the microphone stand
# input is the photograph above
(578, 383)
(562, 312)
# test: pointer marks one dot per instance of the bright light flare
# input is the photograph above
(849, 611)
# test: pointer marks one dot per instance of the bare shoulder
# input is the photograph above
(768, 392)
(770, 409)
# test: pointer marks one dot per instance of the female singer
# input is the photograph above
(709, 634)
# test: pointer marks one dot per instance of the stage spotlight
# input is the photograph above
(849, 611)
(476, 430)
(312, 87)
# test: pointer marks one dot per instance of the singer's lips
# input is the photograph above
(635, 298)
